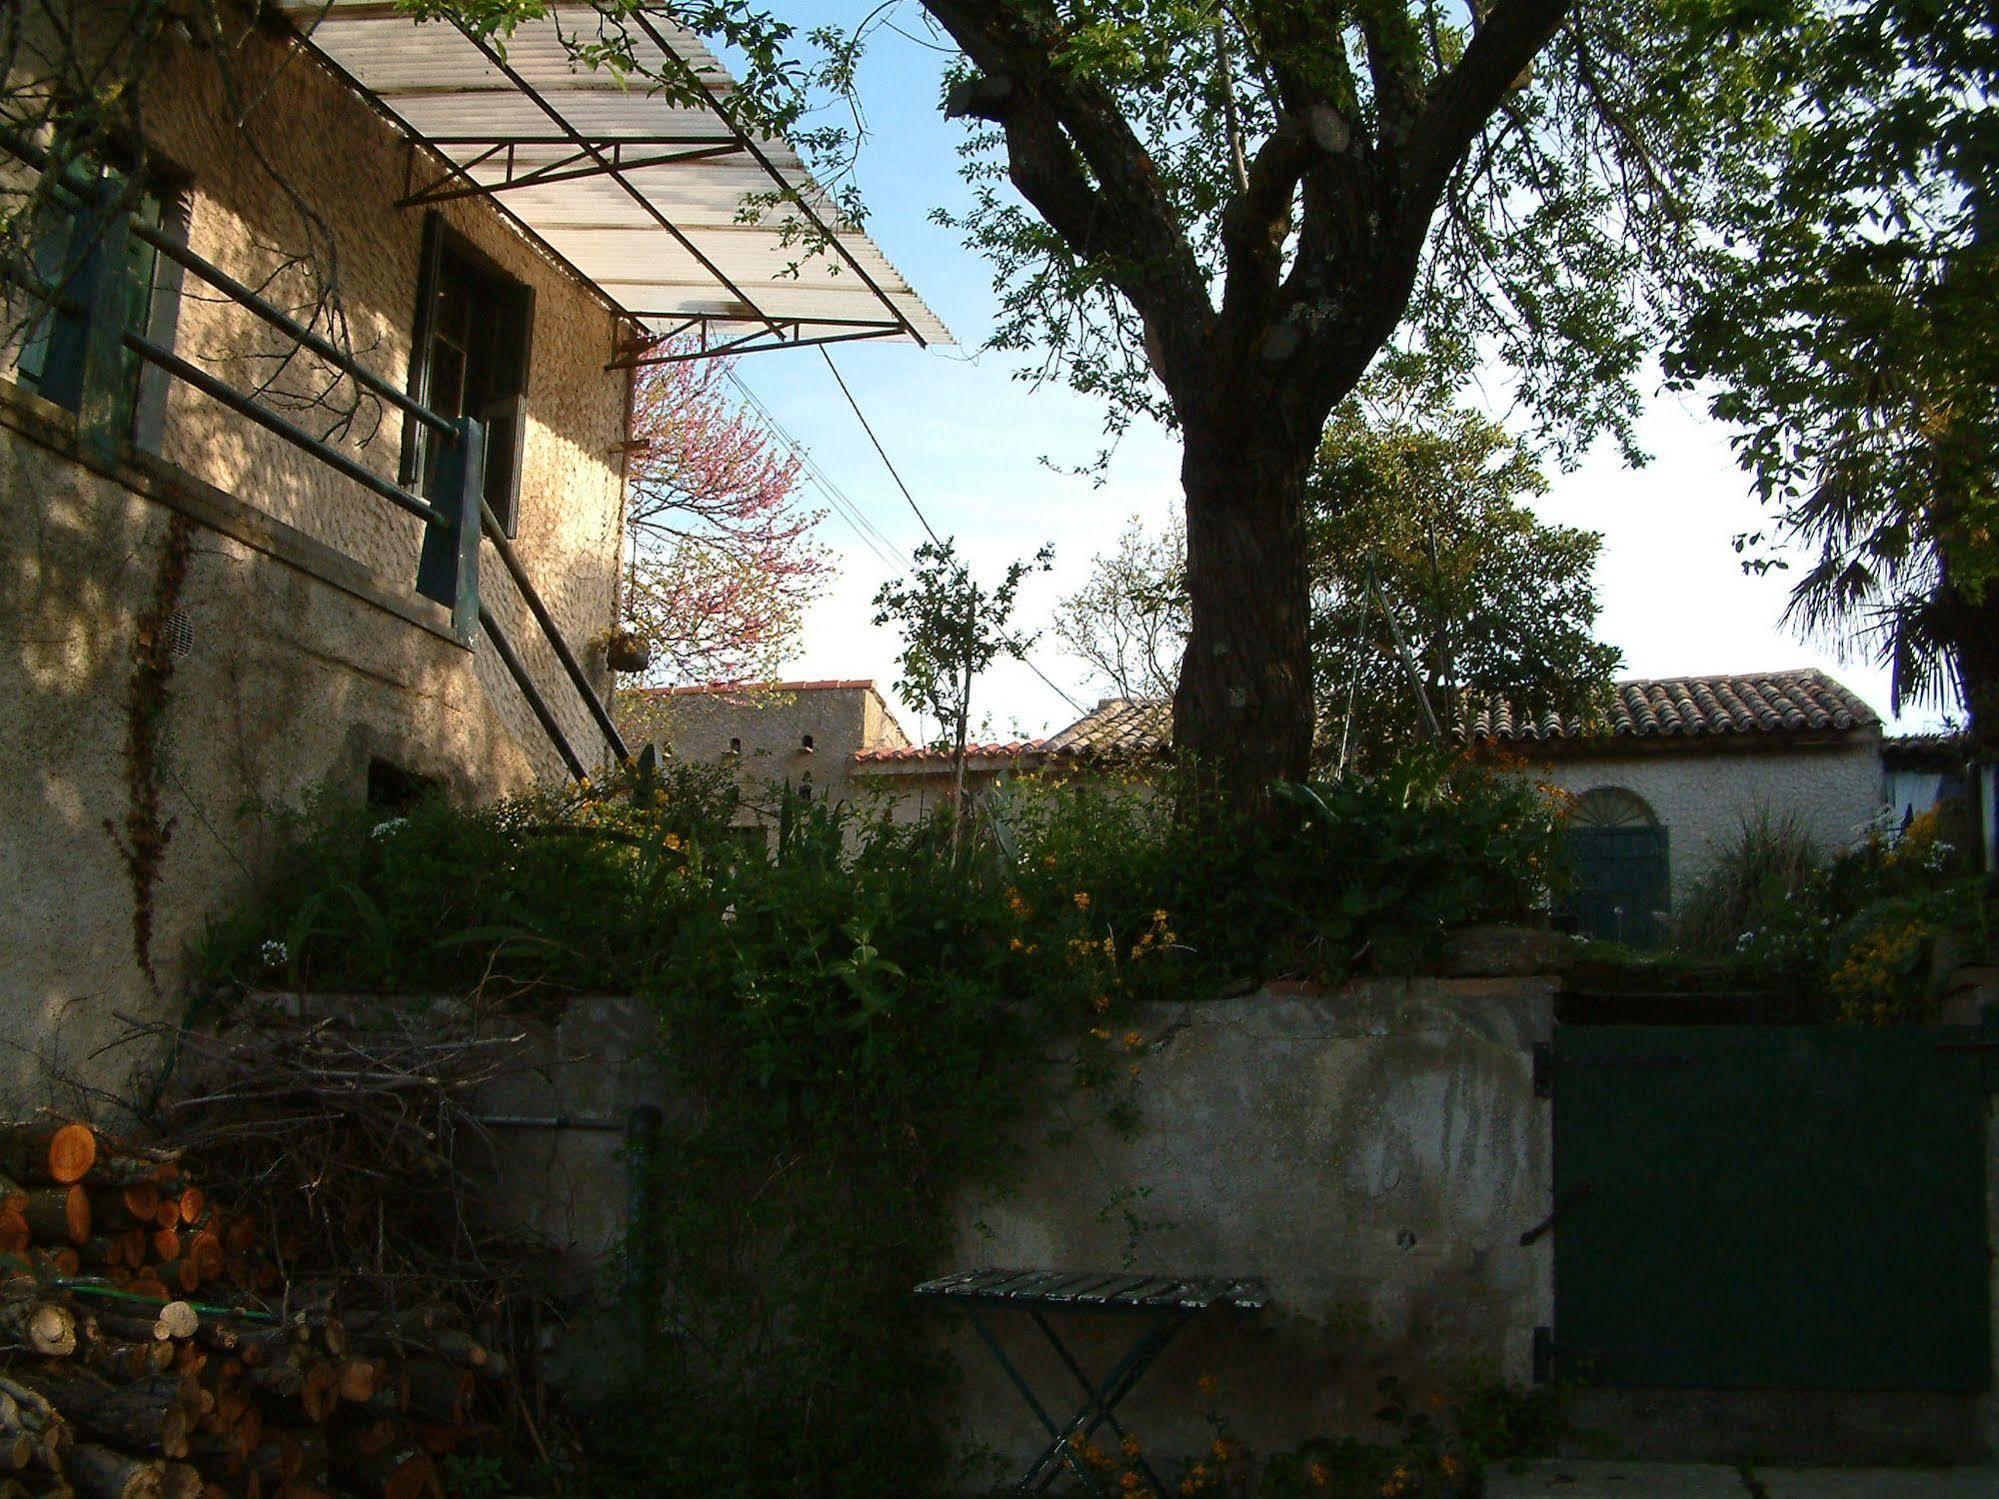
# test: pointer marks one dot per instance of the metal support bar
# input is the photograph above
(496, 533)
(1063, 1455)
(555, 171)
(555, 117)
(222, 281)
(270, 421)
(519, 672)
(744, 345)
(1116, 1385)
(903, 324)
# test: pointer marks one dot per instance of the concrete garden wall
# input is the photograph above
(1373, 1153)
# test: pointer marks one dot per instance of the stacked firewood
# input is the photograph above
(155, 1344)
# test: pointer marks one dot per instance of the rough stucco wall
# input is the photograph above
(1374, 1154)
(288, 685)
(1704, 798)
(291, 684)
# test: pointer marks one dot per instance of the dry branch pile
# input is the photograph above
(312, 1316)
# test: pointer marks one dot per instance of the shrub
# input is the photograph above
(861, 1018)
(1750, 885)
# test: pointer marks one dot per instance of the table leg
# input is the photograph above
(1058, 1453)
(1102, 1410)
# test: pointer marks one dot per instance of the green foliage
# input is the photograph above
(1860, 932)
(864, 1020)
(1749, 885)
(1843, 312)
(953, 627)
(1417, 506)
(1428, 843)
(1415, 503)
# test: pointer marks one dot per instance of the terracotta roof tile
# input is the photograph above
(1781, 702)
(1117, 726)
(731, 688)
(924, 754)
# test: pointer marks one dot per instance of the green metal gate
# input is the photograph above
(1771, 1207)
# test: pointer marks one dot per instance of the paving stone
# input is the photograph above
(1593, 1479)
(1879, 1483)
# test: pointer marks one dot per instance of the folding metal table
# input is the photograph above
(1159, 1305)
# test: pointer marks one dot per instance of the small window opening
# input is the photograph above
(805, 745)
(391, 788)
(735, 746)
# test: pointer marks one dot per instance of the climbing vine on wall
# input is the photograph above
(142, 840)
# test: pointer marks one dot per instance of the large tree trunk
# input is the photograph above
(1243, 714)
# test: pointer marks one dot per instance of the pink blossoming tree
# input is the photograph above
(723, 560)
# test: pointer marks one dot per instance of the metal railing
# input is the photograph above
(84, 370)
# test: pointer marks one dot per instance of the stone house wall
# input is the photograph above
(299, 649)
(760, 730)
(1705, 797)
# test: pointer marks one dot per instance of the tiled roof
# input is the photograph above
(1758, 703)
(1117, 726)
(916, 754)
(1706, 709)
(733, 688)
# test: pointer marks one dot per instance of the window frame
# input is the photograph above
(443, 250)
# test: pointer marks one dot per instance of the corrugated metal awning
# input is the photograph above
(640, 196)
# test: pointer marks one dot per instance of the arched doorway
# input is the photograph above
(1621, 867)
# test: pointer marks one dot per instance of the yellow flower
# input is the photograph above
(1101, 1003)
(1017, 945)
(1136, 1069)
(1133, 1040)
(1320, 1474)
(1101, 1034)
(1159, 918)
(673, 842)
(1208, 1386)
(1082, 900)
(1452, 1465)
(1221, 1449)
(1130, 1445)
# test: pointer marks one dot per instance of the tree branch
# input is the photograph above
(1465, 98)
(1110, 202)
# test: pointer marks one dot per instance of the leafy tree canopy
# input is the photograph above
(1426, 561)
(1844, 313)
(1427, 567)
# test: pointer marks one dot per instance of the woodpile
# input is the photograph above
(160, 1339)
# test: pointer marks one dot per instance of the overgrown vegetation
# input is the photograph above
(1866, 933)
(862, 1018)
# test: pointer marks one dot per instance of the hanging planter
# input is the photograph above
(627, 651)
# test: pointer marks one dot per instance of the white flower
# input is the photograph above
(383, 829)
(274, 954)
(729, 911)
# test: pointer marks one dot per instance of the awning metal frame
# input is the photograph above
(610, 160)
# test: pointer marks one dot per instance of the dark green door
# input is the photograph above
(1620, 885)
(1781, 1207)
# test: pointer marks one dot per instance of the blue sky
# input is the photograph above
(970, 440)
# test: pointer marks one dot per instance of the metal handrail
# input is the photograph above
(221, 391)
(326, 453)
(222, 281)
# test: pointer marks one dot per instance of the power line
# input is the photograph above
(850, 511)
(841, 502)
(861, 417)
